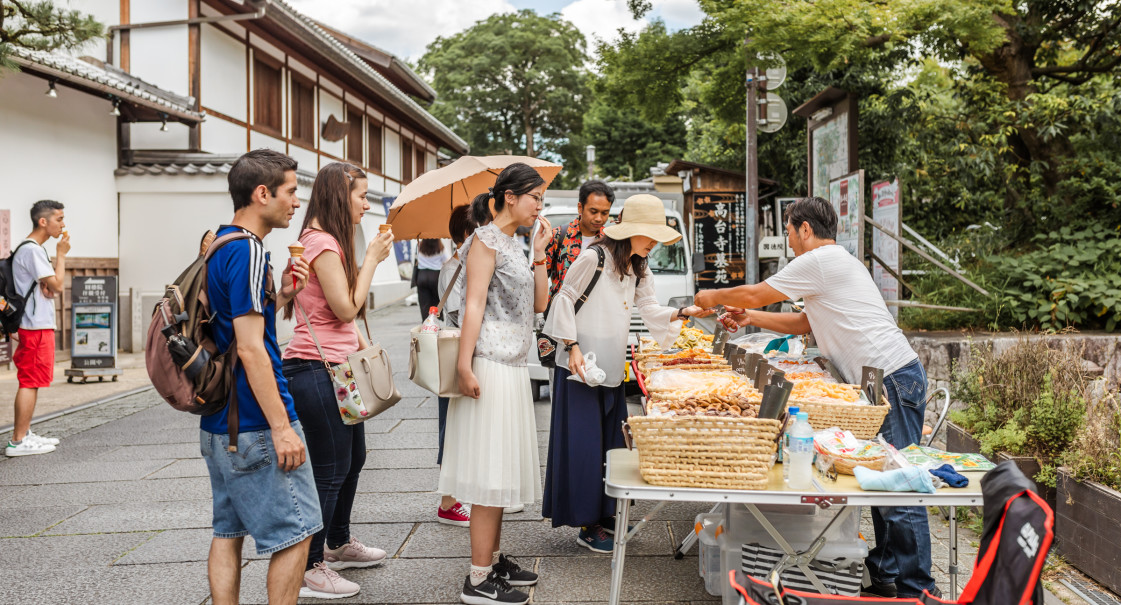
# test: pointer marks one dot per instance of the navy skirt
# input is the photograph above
(587, 421)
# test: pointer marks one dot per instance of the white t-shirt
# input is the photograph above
(847, 313)
(586, 241)
(432, 263)
(29, 266)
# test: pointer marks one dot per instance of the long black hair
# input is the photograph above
(517, 178)
(626, 262)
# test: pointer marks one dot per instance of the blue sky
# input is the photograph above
(406, 27)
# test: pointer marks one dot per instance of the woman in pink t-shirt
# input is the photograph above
(333, 300)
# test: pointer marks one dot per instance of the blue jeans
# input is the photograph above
(240, 481)
(902, 552)
(336, 451)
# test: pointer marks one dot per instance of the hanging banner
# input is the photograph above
(847, 196)
(719, 233)
(887, 211)
(400, 249)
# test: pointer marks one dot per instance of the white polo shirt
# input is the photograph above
(847, 314)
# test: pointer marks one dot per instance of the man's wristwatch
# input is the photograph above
(568, 347)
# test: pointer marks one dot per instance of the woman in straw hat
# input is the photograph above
(588, 402)
(490, 440)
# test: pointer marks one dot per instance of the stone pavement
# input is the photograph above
(121, 513)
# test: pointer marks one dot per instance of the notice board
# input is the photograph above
(719, 233)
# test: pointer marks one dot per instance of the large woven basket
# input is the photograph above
(705, 451)
(864, 421)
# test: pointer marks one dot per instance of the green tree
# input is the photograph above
(512, 83)
(42, 26)
(627, 145)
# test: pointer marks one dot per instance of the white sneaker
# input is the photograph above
(28, 447)
(41, 438)
(517, 508)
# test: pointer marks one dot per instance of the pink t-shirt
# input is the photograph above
(337, 338)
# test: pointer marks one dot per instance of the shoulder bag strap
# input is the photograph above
(595, 278)
(448, 290)
(318, 347)
(34, 282)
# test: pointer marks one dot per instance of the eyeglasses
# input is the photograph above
(537, 197)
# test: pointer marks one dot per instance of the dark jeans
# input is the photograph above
(442, 414)
(902, 552)
(336, 451)
(427, 290)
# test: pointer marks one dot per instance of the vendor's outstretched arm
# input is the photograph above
(747, 296)
(783, 323)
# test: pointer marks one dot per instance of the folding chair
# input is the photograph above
(1017, 535)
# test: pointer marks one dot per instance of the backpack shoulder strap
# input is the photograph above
(592, 284)
(222, 241)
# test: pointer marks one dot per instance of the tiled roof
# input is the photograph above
(110, 79)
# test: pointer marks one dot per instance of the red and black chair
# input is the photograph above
(1017, 534)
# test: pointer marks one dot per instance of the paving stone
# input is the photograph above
(97, 551)
(574, 579)
(402, 441)
(528, 539)
(414, 458)
(109, 492)
(170, 584)
(409, 407)
(396, 581)
(79, 473)
(32, 520)
(418, 426)
(386, 536)
(118, 438)
(380, 424)
(395, 508)
(138, 516)
(174, 451)
(179, 546)
(398, 480)
(195, 467)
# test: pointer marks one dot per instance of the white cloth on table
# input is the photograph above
(490, 444)
(604, 321)
(847, 314)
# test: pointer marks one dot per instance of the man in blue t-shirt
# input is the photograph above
(262, 489)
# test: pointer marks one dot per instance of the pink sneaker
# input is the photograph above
(320, 582)
(353, 554)
(457, 514)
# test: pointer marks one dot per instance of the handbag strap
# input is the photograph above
(448, 290)
(595, 277)
(307, 322)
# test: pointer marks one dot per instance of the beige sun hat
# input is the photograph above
(643, 214)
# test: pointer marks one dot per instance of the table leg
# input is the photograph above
(953, 553)
(622, 520)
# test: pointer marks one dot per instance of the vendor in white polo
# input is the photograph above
(853, 328)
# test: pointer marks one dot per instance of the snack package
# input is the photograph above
(835, 442)
(894, 458)
(929, 457)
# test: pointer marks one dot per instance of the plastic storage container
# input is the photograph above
(708, 553)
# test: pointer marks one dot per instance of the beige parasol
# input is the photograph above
(423, 207)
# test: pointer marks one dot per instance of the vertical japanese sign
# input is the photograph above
(400, 249)
(886, 210)
(719, 234)
(94, 314)
(847, 196)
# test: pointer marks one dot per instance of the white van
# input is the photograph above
(671, 265)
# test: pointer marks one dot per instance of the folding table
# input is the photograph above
(624, 482)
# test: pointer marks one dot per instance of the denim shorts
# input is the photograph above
(253, 496)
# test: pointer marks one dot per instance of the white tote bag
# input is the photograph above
(433, 355)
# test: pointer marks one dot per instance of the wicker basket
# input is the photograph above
(864, 421)
(845, 464)
(705, 451)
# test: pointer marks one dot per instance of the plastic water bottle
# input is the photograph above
(801, 453)
(432, 324)
(784, 452)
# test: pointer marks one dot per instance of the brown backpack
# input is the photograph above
(183, 362)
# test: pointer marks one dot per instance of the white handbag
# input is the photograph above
(433, 355)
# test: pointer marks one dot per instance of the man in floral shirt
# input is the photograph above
(569, 240)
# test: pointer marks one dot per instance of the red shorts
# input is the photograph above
(34, 358)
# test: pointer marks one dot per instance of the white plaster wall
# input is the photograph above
(258, 141)
(220, 136)
(107, 12)
(159, 55)
(62, 149)
(308, 160)
(377, 183)
(429, 161)
(392, 187)
(224, 85)
(147, 135)
(391, 160)
(330, 104)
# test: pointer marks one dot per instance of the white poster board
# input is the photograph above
(886, 211)
(829, 148)
(847, 196)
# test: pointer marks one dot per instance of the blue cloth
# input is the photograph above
(336, 451)
(902, 551)
(253, 496)
(910, 479)
(952, 478)
(587, 421)
(235, 283)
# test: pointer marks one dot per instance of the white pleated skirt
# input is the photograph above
(490, 443)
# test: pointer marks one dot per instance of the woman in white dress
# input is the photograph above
(490, 442)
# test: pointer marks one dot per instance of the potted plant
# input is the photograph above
(1089, 503)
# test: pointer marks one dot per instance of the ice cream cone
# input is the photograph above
(384, 228)
(296, 250)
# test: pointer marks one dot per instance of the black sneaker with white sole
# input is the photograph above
(492, 591)
(509, 570)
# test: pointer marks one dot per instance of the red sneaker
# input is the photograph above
(456, 514)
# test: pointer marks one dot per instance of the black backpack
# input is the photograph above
(16, 302)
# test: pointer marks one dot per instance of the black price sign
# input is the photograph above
(872, 383)
(719, 233)
(763, 375)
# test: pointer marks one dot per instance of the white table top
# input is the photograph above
(623, 480)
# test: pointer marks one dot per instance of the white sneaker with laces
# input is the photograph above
(510, 510)
(41, 438)
(28, 447)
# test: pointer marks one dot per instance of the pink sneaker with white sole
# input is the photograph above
(353, 554)
(457, 514)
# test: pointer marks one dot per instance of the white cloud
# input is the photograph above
(679, 13)
(601, 19)
(402, 27)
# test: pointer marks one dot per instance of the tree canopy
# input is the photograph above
(40, 25)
